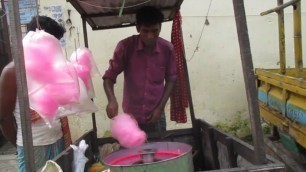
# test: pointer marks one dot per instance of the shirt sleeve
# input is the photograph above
(171, 72)
(116, 64)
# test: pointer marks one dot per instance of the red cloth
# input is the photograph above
(179, 97)
(66, 131)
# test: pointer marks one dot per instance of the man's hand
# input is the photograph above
(112, 109)
(112, 106)
(155, 115)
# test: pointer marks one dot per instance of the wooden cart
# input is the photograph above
(282, 92)
(212, 149)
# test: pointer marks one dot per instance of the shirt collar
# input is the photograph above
(140, 45)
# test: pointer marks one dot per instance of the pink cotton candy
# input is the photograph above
(44, 104)
(132, 139)
(84, 73)
(66, 90)
(82, 57)
(64, 93)
(84, 64)
(52, 81)
(54, 87)
(125, 129)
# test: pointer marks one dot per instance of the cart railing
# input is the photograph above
(296, 4)
(282, 92)
(214, 151)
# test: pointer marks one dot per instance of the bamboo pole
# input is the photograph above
(298, 38)
(285, 5)
(22, 90)
(281, 32)
(249, 79)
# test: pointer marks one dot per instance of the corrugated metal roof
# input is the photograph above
(105, 14)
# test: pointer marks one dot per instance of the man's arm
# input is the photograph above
(8, 92)
(112, 106)
(157, 112)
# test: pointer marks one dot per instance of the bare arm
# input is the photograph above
(8, 92)
(112, 106)
(157, 112)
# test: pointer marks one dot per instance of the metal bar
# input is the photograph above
(281, 32)
(22, 90)
(249, 79)
(298, 38)
(85, 32)
(276, 9)
(6, 33)
(192, 115)
(93, 115)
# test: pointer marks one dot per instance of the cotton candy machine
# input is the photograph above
(152, 157)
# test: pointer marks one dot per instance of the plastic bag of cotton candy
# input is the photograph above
(55, 88)
(125, 129)
(85, 66)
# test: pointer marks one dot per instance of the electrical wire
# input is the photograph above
(205, 22)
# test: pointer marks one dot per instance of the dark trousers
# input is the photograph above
(159, 126)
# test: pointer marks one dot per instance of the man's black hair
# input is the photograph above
(48, 25)
(149, 15)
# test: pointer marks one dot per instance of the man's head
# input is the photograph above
(148, 24)
(48, 25)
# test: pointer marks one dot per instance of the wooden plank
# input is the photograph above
(290, 159)
(262, 168)
(232, 157)
(249, 79)
(289, 78)
(245, 150)
(295, 130)
(209, 148)
(289, 87)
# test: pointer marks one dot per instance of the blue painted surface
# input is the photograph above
(262, 96)
(296, 113)
(277, 104)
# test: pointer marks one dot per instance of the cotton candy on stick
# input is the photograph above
(125, 129)
(132, 138)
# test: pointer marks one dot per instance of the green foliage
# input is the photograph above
(266, 129)
(238, 126)
(107, 133)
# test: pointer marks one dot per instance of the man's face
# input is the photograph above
(149, 34)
